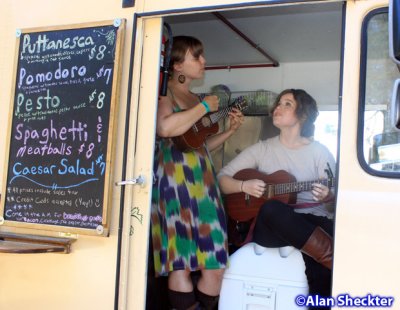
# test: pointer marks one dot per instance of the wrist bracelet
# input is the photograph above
(241, 187)
(205, 104)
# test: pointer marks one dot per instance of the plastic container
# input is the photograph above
(261, 278)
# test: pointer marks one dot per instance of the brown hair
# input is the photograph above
(306, 109)
(180, 46)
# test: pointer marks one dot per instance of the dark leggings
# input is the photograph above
(278, 225)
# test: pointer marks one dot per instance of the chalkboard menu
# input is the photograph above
(61, 129)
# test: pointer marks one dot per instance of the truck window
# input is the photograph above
(379, 150)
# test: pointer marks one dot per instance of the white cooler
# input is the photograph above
(261, 278)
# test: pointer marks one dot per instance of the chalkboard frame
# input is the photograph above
(104, 228)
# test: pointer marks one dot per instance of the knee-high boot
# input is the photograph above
(182, 300)
(320, 247)
(207, 302)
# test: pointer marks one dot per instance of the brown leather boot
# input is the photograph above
(320, 247)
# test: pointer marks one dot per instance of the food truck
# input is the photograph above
(79, 86)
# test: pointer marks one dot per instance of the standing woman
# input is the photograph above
(188, 219)
(307, 224)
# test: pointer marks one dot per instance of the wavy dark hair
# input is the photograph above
(180, 46)
(306, 110)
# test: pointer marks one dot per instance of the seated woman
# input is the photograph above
(307, 224)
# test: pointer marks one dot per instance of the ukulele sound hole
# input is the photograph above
(206, 122)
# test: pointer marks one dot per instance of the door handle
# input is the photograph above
(140, 180)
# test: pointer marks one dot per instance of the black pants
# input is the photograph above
(278, 225)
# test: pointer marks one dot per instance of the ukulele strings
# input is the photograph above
(215, 117)
(285, 188)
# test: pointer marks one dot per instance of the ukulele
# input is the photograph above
(205, 127)
(281, 186)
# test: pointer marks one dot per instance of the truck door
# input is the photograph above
(367, 230)
(139, 162)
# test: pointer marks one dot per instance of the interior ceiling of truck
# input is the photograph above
(266, 35)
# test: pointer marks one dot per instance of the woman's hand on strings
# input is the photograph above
(254, 187)
(236, 119)
(320, 192)
(212, 102)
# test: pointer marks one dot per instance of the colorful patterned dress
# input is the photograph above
(188, 218)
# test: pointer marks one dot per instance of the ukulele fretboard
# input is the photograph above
(293, 187)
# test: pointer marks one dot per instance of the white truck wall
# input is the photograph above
(85, 278)
(320, 79)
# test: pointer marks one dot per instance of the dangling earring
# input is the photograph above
(181, 78)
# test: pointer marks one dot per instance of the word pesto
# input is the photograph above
(43, 102)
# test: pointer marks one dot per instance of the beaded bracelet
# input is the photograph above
(205, 104)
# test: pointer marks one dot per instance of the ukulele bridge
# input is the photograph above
(247, 199)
